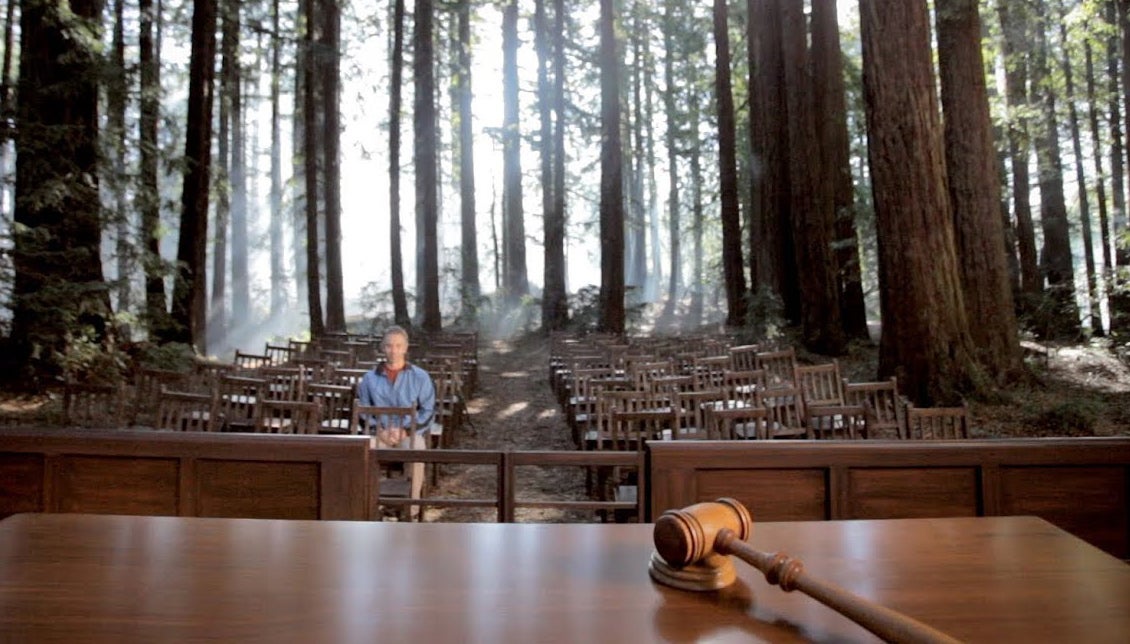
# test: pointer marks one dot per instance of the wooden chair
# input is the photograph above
(449, 411)
(820, 384)
(837, 422)
(278, 354)
(602, 434)
(95, 405)
(237, 398)
(743, 388)
(745, 422)
(691, 412)
(643, 372)
(284, 383)
(287, 417)
(186, 411)
(336, 402)
(937, 423)
(779, 366)
(886, 416)
(786, 413)
(744, 357)
(631, 429)
(148, 384)
(708, 371)
(245, 362)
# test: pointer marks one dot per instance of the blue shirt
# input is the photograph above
(413, 388)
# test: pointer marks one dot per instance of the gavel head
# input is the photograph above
(683, 537)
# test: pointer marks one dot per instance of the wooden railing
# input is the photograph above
(181, 473)
(1080, 484)
(507, 499)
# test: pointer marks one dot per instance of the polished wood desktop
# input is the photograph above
(75, 577)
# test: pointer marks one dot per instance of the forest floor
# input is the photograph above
(1076, 390)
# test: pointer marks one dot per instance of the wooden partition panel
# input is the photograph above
(1079, 484)
(173, 473)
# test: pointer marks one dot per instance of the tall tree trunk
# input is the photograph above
(811, 194)
(469, 287)
(278, 274)
(58, 287)
(1015, 28)
(116, 87)
(974, 189)
(331, 143)
(925, 342)
(671, 136)
(1095, 317)
(695, 314)
(1100, 177)
(651, 205)
(149, 190)
(424, 120)
(310, 172)
(549, 39)
(1119, 289)
(771, 238)
(240, 270)
(1055, 256)
(298, 168)
(611, 178)
(218, 329)
(396, 254)
(513, 231)
(189, 302)
(831, 115)
(732, 270)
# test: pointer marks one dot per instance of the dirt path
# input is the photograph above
(512, 409)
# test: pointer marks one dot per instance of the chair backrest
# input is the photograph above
(284, 383)
(820, 384)
(744, 357)
(937, 423)
(786, 413)
(287, 417)
(748, 422)
(95, 405)
(250, 361)
(837, 422)
(631, 429)
(743, 387)
(279, 354)
(186, 411)
(601, 433)
(886, 412)
(779, 366)
(708, 371)
(336, 403)
(236, 399)
(691, 407)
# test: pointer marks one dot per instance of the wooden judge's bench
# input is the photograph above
(106, 578)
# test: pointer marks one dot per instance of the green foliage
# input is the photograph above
(1075, 417)
(1049, 315)
(85, 357)
(171, 356)
(584, 309)
(764, 315)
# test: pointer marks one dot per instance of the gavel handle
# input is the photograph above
(788, 573)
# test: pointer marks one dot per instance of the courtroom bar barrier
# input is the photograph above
(1079, 484)
(183, 474)
(506, 500)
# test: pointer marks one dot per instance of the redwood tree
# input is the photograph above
(732, 270)
(974, 188)
(925, 341)
(611, 178)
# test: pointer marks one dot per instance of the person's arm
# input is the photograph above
(425, 401)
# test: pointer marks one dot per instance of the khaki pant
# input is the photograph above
(414, 471)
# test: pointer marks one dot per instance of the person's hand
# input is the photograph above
(391, 436)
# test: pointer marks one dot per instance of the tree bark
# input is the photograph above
(611, 178)
(331, 145)
(811, 197)
(732, 270)
(974, 189)
(278, 274)
(424, 125)
(554, 304)
(514, 282)
(310, 173)
(396, 254)
(189, 304)
(924, 342)
(149, 192)
(831, 115)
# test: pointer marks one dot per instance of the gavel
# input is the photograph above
(692, 545)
